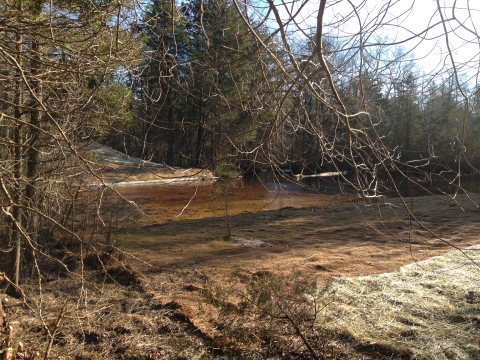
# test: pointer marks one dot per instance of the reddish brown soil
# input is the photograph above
(340, 239)
(343, 238)
(164, 312)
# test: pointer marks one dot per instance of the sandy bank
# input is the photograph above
(119, 169)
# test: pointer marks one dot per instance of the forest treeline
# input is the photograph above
(210, 93)
(194, 83)
(218, 84)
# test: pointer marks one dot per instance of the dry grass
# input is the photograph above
(426, 310)
(177, 308)
(102, 320)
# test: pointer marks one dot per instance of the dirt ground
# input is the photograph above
(342, 239)
(179, 296)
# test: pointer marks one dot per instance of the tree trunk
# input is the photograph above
(18, 167)
(171, 128)
(198, 150)
(200, 131)
(35, 117)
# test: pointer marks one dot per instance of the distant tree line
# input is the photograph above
(209, 92)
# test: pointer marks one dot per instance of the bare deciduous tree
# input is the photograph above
(333, 63)
(60, 62)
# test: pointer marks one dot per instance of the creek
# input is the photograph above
(184, 200)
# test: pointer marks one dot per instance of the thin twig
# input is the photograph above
(55, 328)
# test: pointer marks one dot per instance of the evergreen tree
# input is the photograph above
(198, 82)
(405, 114)
(60, 60)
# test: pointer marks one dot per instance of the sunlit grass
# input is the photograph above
(428, 310)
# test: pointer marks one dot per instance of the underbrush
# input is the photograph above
(95, 316)
(107, 310)
(426, 310)
(101, 312)
(276, 317)
(110, 323)
(271, 314)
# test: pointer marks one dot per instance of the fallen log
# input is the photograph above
(324, 174)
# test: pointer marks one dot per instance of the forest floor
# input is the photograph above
(296, 282)
(185, 290)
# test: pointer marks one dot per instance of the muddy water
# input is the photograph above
(200, 200)
(182, 201)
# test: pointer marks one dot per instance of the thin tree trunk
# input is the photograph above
(198, 150)
(35, 117)
(200, 131)
(171, 128)
(18, 170)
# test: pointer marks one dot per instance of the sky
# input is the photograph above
(430, 47)
(404, 22)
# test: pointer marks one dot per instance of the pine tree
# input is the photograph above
(198, 82)
(60, 60)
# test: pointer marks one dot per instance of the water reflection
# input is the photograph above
(335, 186)
(269, 191)
(325, 185)
(210, 199)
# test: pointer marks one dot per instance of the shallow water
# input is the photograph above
(161, 202)
(212, 199)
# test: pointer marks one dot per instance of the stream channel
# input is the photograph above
(185, 200)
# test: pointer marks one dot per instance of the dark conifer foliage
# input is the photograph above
(201, 79)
